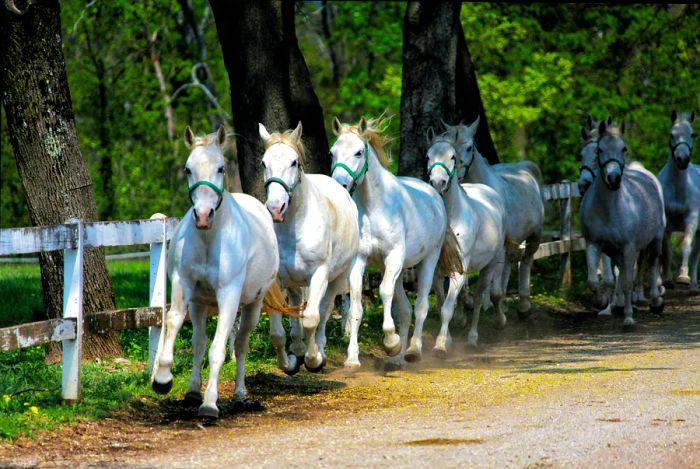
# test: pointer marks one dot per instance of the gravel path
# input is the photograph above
(562, 390)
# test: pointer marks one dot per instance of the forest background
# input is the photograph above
(541, 70)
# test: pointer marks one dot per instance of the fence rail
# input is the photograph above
(74, 236)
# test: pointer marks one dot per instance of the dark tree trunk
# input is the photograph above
(438, 82)
(270, 83)
(54, 175)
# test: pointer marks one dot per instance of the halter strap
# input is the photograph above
(355, 176)
(217, 189)
(612, 160)
(450, 174)
(281, 182)
(585, 167)
(679, 143)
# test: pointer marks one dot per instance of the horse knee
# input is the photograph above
(311, 319)
(278, 341)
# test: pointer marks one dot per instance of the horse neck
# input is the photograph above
(222, 218)
(298, 198)
(454, 196)
(678, 176)
(375, 181)
(481, 172)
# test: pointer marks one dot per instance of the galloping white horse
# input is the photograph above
(476, 214)
(223, 252)
(403, 223)
(318, 236)
(680, 180)
(622, 215)
(518, 184)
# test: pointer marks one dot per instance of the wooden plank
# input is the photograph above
(123, 319)
(124, 233)
(73, 308)
(556, 248)
(37, 239)
(562, 190)
(35, 333)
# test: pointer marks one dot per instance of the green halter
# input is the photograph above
(355, 176)
(217, 189)
(450, 174)
(281, 182)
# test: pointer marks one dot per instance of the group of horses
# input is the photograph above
(315, 234)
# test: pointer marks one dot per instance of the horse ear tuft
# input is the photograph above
(296, 135)
(264, 134)
(362, 126)
(337, 126)
(584, 133)
(475, 125)
(221, 136)
(674, 116)
(589, 120)
(189, 138)
(429, 135)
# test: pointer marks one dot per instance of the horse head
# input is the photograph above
(282, 164)
(443, 161)
(681, 141)
(611, 153)
(589, 157)
(205, 174)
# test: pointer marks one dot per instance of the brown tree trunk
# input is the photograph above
(270, 83)
(438, 82)
(54, 175)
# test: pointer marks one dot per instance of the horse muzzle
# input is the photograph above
(682, 161)
(439, 184)
(583, 185)
(278, 212)
(613, 181)
(344, 181)
(203, 218)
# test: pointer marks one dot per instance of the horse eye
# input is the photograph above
(469, 148)
(188, 171)
(263, 164)
(359, 153)
(330, 154)
(692, 135)
(427, 156)
(453, 158)
(294, 163)
(624, 149)
(220, 170)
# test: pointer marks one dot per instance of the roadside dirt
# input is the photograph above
(563, 389)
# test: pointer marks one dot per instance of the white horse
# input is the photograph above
(622, 215)
(224, 253)
(316, 224)
(403, 223)
(680, 180)
(518, 184)
(476, 214)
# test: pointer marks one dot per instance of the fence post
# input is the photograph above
(73, 308)
(565, 232)
(158, 290)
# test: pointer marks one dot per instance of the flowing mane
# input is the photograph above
(287, 139)
(374, 136)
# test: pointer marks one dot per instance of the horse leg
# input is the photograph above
(524, 306)
(657, 302)
(627, 275)
(442, 342)
(298, 348)
(314, 361)
(482, 284)
(694, 258)
(162, 380)
(686, 245)
(425, 278)
(592, 260)
(355, 313)
(608, 279)
(285, 362)
(393, 265)
(249, 318)
(228, 299)
(667, 254)
(334, 288)
(404, 310)
(497, 294)
(198, 316)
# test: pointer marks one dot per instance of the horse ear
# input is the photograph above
(264, 134)
(692, 117)
(589, 121)
(584, 133)
(337, 126)
(602, 127)
(475, 125)
(221, 136)
(189, 138)
(429, 135)
(622, 128)
(296, 135)
(674, 116)
(608, 121)
(362, 126)
(445, 125)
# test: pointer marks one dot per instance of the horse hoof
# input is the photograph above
(297, 364)
(629, 327)
(683, 280)
(193, 398)
(162, 388)
(440, 353)
(669, 284)
(315, 369)
(352, 365)
(246, 404)
(618, 310)
(658, 309)
(393, 351)
(207, 412)
(412, 356)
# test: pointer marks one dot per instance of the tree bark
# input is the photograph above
(270, 83)
(54, 175)
(438, 82)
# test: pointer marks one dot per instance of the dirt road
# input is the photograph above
(563, 389)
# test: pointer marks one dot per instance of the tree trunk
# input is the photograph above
(270, 83)
(54, 175)
(438, 82)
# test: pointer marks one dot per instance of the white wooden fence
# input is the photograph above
(73, 237)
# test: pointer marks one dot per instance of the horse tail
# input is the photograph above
(533, 169)
(450, 260)
(275, 302)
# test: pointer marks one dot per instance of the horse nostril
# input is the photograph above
(284, 204)
(345, 185)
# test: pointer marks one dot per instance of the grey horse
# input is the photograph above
(680, 180)
(622, 216)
